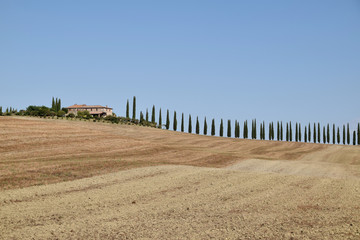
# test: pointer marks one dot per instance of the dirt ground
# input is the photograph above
(113, 181)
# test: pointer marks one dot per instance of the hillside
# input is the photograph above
(129, 182)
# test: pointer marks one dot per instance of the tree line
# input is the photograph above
(315, 133)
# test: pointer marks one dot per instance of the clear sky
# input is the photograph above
(270, 60)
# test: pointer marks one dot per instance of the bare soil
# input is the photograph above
(113, 181)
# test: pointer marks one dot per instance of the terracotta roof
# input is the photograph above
(87, 106)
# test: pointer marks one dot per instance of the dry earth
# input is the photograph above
(171, 185)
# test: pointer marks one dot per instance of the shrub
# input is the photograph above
(71, 115)
(60, 113)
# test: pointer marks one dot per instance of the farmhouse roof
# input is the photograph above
(87, 106)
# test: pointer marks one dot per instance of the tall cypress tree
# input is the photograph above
(296, 132)
(147, 116)
(160, 119)
(153, 114)
(189, 126)
(299, 136)
(167, 124)
(324, 135)
(213, 127)
(338, 135)
(319, 133)
(344, 134)
(235, 129)
(358, 134)
(141, 118)
(229, 129)
(245, 130)
(197, 126)
(314, 133)
(290, 132)
(59, 108)
(261, 131)
(205, 127)
(53, 104)
(348, 134)
(182, 122)
(281, 131)
(253, 132)
(127, 109)
(309, 133)
(333, 138)
(278, 131)
(221, 133)
(354, 138)
(287, 132)
(305, 135)
(175, 122)
(328, 134)
(134, 108)
(1, 112)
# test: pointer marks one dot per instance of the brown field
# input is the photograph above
(113, 181)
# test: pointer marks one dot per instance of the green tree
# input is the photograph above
(278, 131)
(324, 135)
(205, 126)
(296, 132)
(348, 134)
(190, 126)
(319, 133)
(153, 114)
(354, 138)
(254, 132)
(53, 104)
(147, 116)
(221, 133)
(175, 122)
(290, 132)
(299, 134)
(309, 133)
(127, 109)
(305, 135)
(134, 108)
(182, 122)
(328, 133)
(338, 135)
(1, 112)
(59, 105)
(197, 126)
(141, 118)
(287, 132)
(344, 134)
(333, 138)
(358, 134)
(314, 133)
(167, 124)
(245, 132)
(160, 119)
(213, 127)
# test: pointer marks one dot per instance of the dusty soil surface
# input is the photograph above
(127, 182)
(184, 202)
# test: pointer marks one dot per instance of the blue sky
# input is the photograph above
(270, 60)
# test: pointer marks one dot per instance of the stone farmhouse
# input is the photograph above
(94, 110)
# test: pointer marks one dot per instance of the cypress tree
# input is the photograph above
(190, 126)
(175, 122)
(160, 119)
(328, 134)
(127, 109)
(261, 131)
(278, 131)
(134, 108)
(147, 116)
(314, 133)
(319, 133)
(182, 122)
(299, 136)
(167, 124)
(296, 132)
(229, 129)
(358, 134)
(324, 135)
(287, 132)
(344, 134)
(290, 132)
(213, 127)
(205, 127)
(309, 133)
(354, 138)
(245, 132)
(305, 135)
(348, 134)
(53, 104)
(338, 135)
(59, 108)
(141, 118)
(221, 133)
(281, 131)
(1, 112)
(197, 126)
(235, 129)
(253, 133)
(333, 138)
(153, 114)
